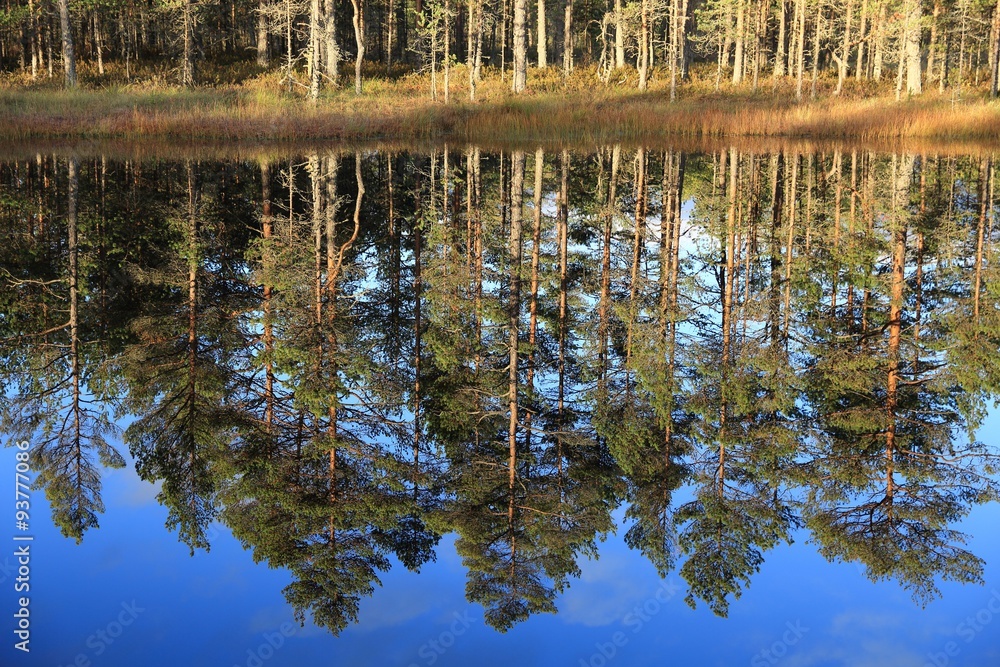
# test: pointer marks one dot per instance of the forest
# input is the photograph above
(910, 44)
(758, 54)
(345, 355)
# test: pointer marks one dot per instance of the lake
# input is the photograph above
(422, 405)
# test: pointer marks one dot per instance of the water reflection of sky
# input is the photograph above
(218, 608)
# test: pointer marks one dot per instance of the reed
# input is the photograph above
(577, 111)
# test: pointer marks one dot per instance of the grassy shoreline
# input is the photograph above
(407, 113)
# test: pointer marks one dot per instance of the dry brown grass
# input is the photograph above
(578, 111)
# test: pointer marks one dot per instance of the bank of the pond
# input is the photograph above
(240, 114)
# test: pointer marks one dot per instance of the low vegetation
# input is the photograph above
(578, 109)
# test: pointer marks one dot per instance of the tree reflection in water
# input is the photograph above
(344, 356)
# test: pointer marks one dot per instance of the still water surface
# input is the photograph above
(460, 406)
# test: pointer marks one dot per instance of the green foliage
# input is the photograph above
(339, 415)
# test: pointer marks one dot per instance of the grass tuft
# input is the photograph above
(578, 110)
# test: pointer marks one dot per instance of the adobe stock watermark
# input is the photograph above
(773, 654)
(432, 650)
(22, 547)
(101, 639)
(636, 619)
(271, 643)
(967, 630)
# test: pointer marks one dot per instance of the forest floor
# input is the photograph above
(581, 110)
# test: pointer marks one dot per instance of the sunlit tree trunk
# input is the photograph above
(781, 57)
(800, 15)
(568, 38)
(447, 54)
(738, 51)
(359, 38)
(760, 39)
(879, 30)
(474, 33)
(315, 29)
(99, 44)
(862, 41)
(541, 41)
(817, 31)
(674, 48)
(912, 51)
(520, 74)
(643, 44)
(33, 38)
(934, 46)
(69, 60)
(994, 47)
(843, 60)
(619, 35)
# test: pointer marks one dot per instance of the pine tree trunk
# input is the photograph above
(879, 55)
(359, 38)
(33, 39)
(619, 35)
(330, 48)
(676, 25)
(263, 57)
(738, 54)
(474, 29)
(542, 41)
(69, 60)
(994, 47)
(99, 44)
(862, 40)
(913, 29)
(933, 46)
(779, 60)
(644, 45)
(289, 45)
(187, 67)
(800, 13)
(390, 28)
(315, 30)
(568, 39)
(817, 30)
(520, 47)
(845, 50)
(447, 55)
